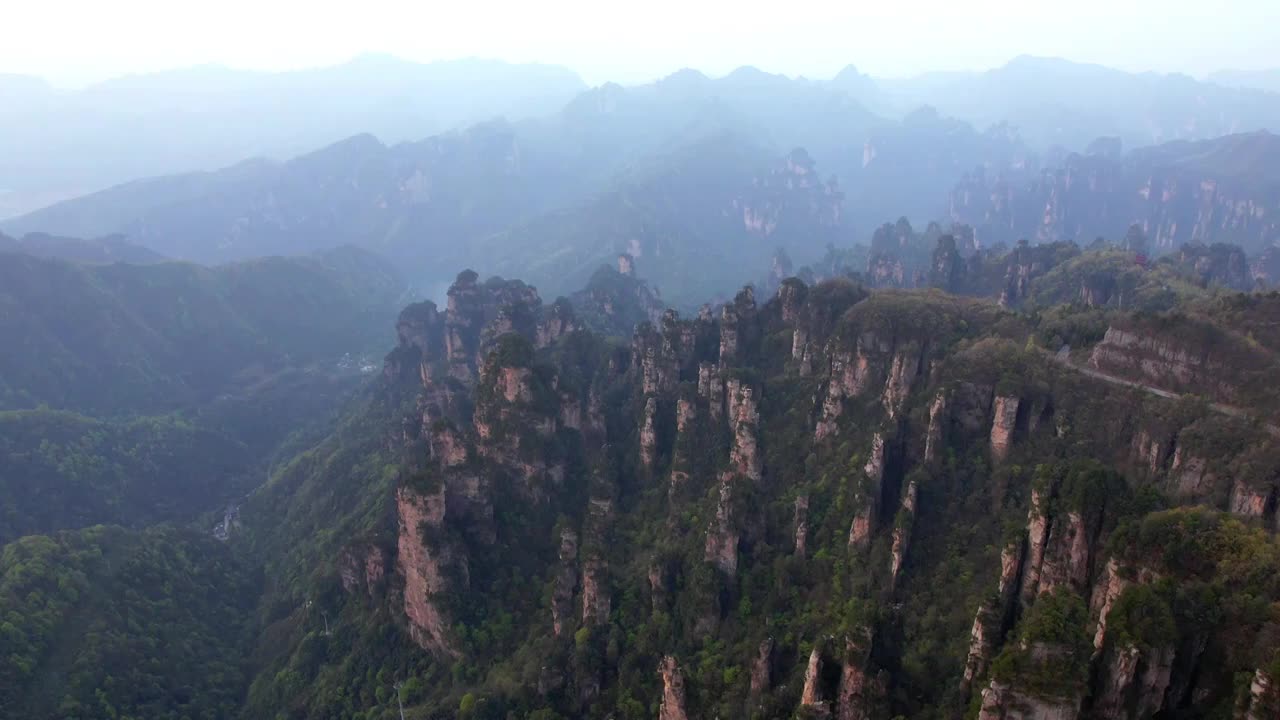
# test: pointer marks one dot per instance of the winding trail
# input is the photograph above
(1063, 358)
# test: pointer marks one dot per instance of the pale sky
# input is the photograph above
(71, 42)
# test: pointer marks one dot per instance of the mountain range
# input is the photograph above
(741, 397)
(55, 144)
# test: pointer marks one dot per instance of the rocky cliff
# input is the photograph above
(837, 502)
(1182, 192)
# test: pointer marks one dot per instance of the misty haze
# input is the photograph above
(681, 361)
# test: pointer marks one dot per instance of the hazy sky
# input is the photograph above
(76, 41)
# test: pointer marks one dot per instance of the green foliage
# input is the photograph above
(1142, 618)
(106, 623)
(1051, 657)
(61, 470)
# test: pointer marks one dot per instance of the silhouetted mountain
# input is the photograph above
(1053, 101)
(693, 220)
(1268, 80)
(502, 196)
(110, 249)
(55, 144)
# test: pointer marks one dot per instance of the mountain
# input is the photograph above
(57, 144)
(687, 219)
(419, 200)
(156, 338)
(553, 198)
(1222, 190)
(138, 394)
(842, 502)
(105, 250)
(1057, 102)
(1268, 80)
(412, 201)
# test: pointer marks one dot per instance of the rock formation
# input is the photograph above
(566, 581)
(673, 702)
(811, 695)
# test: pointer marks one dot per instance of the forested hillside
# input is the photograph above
(138, 394)
(841, 501)
(107, 623)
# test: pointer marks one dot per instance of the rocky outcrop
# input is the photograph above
(657, 363)
(686, 413)
(722, 537)
(1037, 539)
(902, 531)
(728, 336)
(800, 522)
(1068, 554)
(626, 265)
(464, 318)
(362, 568)
(446, 446)
(1150, 452)
(744, 418)
(982, 643)
(1112, 584)
(566, 581)
(1001, 702)
(673, 696)
(1248, 501)
(420, 336)
(860, 528)
(738, 330)
(990, 619)
(935, 436)
(1264, 698)
(762, 669)
(685, 442)
(849, 376)
(423, 567)
(558, 321)
(1160, 361)
(1003, 426)
(478, 314)
(596, 598)
(874, 467)
(854, 699)
(791, 296)
(1189, 476)
(868, 495)
(811, 694)
(1133, 683)
(649, 434)
(1217, 265)
(902, 373)
(1177, 193)
(711, 389)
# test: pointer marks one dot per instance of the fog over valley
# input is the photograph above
(571, 360)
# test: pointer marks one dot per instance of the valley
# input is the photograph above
(494, 396)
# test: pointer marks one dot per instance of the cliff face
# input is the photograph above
(672, 707)
(1178, 193)
(423, 568)
(484, 420)
(841, 503)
